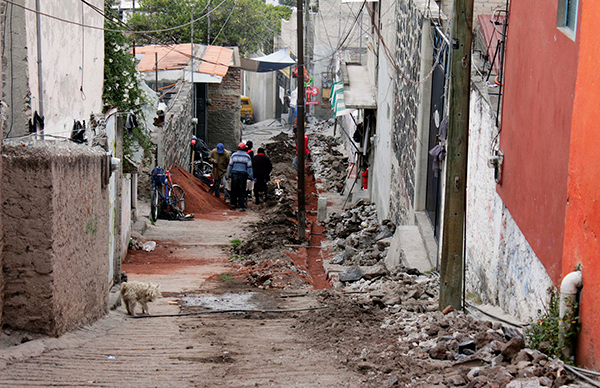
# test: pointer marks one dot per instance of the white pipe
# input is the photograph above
(569, 287)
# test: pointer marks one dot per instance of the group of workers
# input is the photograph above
(243, 169)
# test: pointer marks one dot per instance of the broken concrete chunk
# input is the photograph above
(352, 274)
(512, 347)
(375, 271)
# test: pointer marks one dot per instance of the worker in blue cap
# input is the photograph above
(219, 157)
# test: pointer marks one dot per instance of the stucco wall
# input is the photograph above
(224, 124)
(583, 205)
(536, 125)
(260, 87)
(73, 73)
(501, 267)
(56, 237)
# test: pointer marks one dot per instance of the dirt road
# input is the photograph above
(229, 350)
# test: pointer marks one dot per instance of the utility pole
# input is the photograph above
(455, 196)
(194, 128)
(300, 124)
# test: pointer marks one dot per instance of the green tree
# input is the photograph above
(249, 24)
(122, 83)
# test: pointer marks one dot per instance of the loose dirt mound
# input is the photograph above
(197, 198)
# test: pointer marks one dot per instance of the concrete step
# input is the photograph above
(408, 249)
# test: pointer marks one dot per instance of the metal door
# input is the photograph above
(200, 113)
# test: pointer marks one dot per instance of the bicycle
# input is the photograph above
(201, 168)
(165, 196)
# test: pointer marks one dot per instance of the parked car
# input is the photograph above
(247, 111)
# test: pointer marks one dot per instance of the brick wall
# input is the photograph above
(406, 102)
(224, 124)
(174, 147)
(55, 256)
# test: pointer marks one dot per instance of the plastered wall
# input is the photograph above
(56, 237)
(501, 267)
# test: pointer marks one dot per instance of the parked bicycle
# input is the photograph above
(165, 196)
(200, 151)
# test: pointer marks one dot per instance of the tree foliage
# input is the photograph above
(122, 83)
(249, 24)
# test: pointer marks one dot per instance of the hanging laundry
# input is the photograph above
(37, 124)
(131, 122)
(78, 132)
(439, 154)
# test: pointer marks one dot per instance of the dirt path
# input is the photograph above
(228, 350)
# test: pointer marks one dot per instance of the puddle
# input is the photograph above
(228, 301)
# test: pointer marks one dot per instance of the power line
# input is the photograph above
(113, 30)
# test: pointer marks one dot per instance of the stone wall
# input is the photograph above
(224, 125)
(501, 267)
(174, 138)
(406, 102)
(56, 237)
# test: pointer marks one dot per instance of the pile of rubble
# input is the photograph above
(399, 338)
(329, 164)
(360, 237)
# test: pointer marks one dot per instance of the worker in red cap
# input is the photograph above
(239, 171)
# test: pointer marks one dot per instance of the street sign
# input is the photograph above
(312, 102)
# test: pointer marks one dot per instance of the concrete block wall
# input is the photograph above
(174, 139)
(55, 256)
(501, 267)
(224, 125)
(405, 112)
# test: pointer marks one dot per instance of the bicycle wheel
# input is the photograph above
(205, 168)
(154, 198)
(177, 198)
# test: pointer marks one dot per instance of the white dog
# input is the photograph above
(134, 292)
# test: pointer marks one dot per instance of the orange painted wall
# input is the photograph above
(582, 229)
(540, 76)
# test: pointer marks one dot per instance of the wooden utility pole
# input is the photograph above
(455, 196)
(300, 124)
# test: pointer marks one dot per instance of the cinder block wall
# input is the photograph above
(55, 258)
(224, 125)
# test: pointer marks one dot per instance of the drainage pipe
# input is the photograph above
(39, 59)
(569, 287)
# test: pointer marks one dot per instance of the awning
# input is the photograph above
(276, 61)
(359, 93)
(337, 100)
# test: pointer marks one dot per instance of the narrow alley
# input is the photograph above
(242, 306)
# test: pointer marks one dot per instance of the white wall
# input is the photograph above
(501, 267)
(260, 87)
(72, 62)
(381, 171)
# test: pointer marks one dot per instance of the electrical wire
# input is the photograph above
(351, 27)
(395, 64)
(520, 326)
(226, 21)
(113, 30)
(581, 376)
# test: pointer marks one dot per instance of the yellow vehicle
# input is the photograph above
(246, 111)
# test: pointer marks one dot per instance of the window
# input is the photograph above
(567, 15)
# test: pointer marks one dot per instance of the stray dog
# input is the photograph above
(134, 292)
